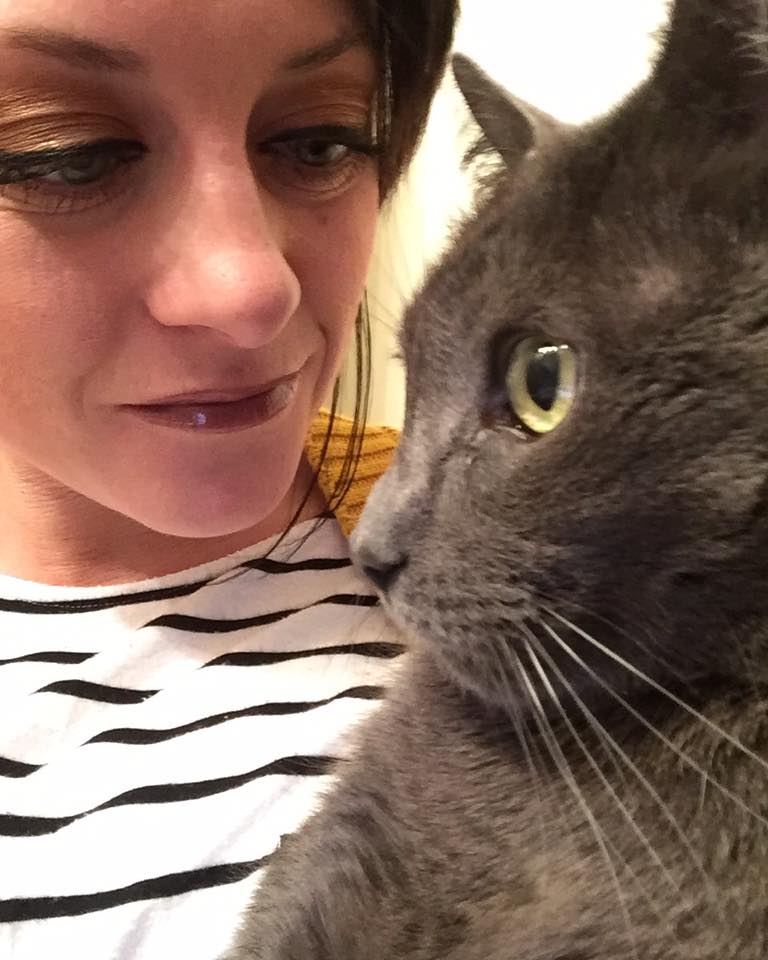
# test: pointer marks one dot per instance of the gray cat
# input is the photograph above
(575, 535)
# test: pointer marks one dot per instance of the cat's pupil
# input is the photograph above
(542, 378)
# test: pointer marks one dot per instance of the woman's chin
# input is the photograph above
(208, 516)
(218, 490)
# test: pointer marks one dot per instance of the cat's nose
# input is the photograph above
(380, 571)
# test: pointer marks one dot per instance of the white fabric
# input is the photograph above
(145, 843)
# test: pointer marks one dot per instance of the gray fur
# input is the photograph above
(472, 825)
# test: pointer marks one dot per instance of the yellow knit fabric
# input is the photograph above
(377, 449)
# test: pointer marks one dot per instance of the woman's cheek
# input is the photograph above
(334, 266)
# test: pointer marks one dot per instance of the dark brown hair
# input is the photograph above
(411, 40)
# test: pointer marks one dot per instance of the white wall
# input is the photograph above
(571, 58)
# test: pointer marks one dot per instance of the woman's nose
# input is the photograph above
(222, 264)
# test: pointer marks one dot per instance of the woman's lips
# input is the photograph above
(206, 411)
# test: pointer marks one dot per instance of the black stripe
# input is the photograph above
(266, 565)
(170, 885)
(93, 604)
(89, 605)
(85, 690)
(137, 736)
(178, 621)
(52, 657)
(12, 825)
(383, 651)
(15, 768)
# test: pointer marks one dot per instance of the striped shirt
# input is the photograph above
(157, 740)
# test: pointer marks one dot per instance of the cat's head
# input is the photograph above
(585, 448)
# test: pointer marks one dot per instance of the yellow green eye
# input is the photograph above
(541, 383)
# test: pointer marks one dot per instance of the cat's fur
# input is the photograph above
(487, 815)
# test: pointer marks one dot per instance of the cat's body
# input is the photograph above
(462, 857)
(573, 766)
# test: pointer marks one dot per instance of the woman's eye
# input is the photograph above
(541, 384)
(322, 159)
(63, 180)
(81, 170)
(319, 153)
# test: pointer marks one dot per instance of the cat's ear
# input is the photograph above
(714, 62)
(512, 127)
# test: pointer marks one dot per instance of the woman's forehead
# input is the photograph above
(134, 35)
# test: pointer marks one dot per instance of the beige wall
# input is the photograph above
(572, 59)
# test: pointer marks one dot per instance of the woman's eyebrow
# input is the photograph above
(91, 55)
(73, 50)
(325, 52)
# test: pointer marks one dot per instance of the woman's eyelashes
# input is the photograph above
(67, 179)
(317, 161)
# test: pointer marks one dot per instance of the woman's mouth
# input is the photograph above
(212, 410)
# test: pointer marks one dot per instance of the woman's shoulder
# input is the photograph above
(330, 454)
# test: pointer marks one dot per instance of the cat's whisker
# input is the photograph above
(617, 768)
(636, 829)
(647, 648)
(521, 733)
(604, 735)
(689, 761)
(561, 761)
(660, 913)
(509, 667)
(691, 711)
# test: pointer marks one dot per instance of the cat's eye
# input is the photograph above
(541, 384)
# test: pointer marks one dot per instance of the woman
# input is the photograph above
(188, 194)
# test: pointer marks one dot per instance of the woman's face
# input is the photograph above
(187, 202)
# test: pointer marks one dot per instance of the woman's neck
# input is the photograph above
(52, 535)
